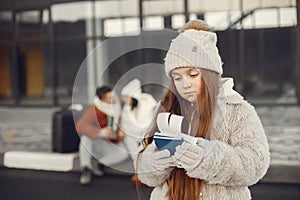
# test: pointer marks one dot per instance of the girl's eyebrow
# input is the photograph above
(192, 69)
(174, 73)
(187, 71)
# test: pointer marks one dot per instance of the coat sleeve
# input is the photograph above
(242, 162)
(146, 173)
(88, 125)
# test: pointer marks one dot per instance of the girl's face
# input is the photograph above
(187, 81)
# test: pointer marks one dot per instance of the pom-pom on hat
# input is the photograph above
(132, 89)
(194, 48)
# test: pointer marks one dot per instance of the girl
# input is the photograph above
(231, 153)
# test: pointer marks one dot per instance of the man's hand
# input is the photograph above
(106, 132)
(121, 135)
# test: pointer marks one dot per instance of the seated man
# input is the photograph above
(99, 138)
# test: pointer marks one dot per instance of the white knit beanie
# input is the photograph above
(194, 48)
(132, 89)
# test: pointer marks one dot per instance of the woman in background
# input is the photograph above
(136, 116)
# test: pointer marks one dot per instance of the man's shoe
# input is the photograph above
(85, 177)
(96, 168)
(98, 172)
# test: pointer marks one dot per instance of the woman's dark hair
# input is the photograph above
(134, 103)
(101, 91)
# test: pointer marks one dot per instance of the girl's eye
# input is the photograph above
(176, 78)
(194, 75)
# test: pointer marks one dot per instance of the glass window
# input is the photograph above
(113, 27)
(72, 19)
(45, 16)
(178, 21)
(6, 39)
(217, 20)
(132, 26)
(154, 22)
(266, 18)
(249, 22)
(6, 16)
(164, 7)
(116, 8)
(193, 16)
(29, 25)
(31, 72)
(121, 27)
(288, 16)
(6, 25)
(29, 16)
(5, 74)
(233, 16)
(68, 29)
(69, 56)
(71, 12)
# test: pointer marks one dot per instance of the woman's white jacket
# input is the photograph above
(135, 122)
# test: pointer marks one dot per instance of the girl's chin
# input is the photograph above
(191, 99)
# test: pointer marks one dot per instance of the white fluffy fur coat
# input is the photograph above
(240, 158)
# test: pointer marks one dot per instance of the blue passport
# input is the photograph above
(165, 142)
(169, 135)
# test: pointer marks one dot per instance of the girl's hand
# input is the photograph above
(159, 160)
(188, 156)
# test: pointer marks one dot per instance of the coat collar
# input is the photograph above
(227, 96)
(226, 92)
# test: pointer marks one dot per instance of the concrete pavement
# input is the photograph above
(28, 130)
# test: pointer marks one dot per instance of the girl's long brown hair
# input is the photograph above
(180, 186)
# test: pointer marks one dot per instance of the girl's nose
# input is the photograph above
(186, 83)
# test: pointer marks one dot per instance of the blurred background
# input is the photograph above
(43, 44)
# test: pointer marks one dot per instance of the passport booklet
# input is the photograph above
(169, 135)
(169, 143)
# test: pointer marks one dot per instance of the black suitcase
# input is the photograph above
(64, 135)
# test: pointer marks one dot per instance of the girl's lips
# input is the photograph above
(187, 93)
